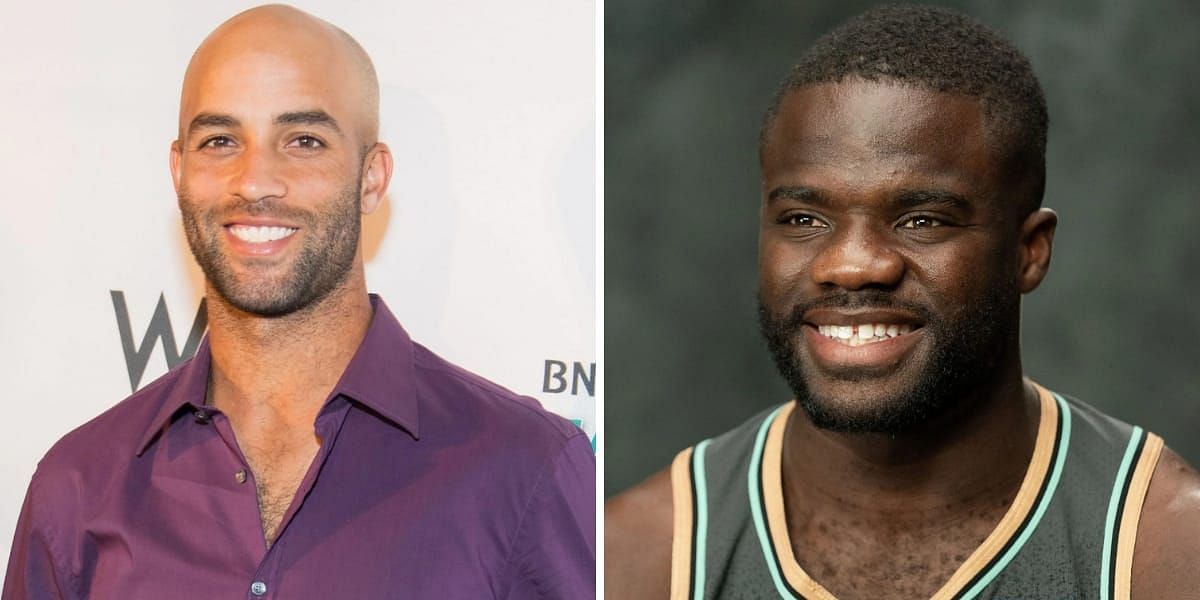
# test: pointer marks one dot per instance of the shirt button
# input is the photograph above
(202, 416)
(258, 588)
(240, 477)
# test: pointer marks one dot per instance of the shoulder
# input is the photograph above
(537, 474)
(639, 523)
(81, 468)
(637, 540)
(1168, 538)
(118, 431)
(456, 402)
(454, 392)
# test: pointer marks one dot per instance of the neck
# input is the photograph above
(957, 462)
(284, 366)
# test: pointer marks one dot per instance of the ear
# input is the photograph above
(1037, 241)
(377, 173)
(176, 157)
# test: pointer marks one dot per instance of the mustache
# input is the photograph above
(870, 299)
(262, 207)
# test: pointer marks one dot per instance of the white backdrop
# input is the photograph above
(485, 249)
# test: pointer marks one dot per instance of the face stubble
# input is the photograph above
(964, 349)
(324, 261)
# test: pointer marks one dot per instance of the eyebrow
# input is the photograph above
(800, 193)
(308, 117)
(211, 120)
(905, 199)
(931, 198)
(206, 120)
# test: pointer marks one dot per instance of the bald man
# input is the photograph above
(310, 449)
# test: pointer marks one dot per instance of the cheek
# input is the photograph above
(959, 276)
(205, 182)
(320, 184)
(782, 268)
(202, 178)
(316, 173)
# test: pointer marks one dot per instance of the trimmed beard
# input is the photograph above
(323, 263)
(965, 350)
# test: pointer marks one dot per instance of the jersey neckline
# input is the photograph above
(765, 486)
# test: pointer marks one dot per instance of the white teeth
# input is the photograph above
(866, 333)
(259, 235)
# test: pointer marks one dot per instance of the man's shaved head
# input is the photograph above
(278, 138)
(287, 37)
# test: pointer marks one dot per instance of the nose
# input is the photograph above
(857, 256)
(257, 176)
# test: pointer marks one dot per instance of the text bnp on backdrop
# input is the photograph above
(555, 378)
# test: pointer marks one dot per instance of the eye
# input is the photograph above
(307, 142)
(217, 142)
(921, 222)
(802, 220)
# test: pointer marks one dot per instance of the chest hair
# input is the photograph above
(277, 477)
(853, 559)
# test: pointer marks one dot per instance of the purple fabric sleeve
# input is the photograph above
(33, 572)
(554, 554)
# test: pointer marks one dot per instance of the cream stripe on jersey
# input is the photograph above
(681, 539)
(1134, 497)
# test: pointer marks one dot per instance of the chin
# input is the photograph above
(869, 402)
(262, 296)
(869, 409)
(274, 300)
(263, 306)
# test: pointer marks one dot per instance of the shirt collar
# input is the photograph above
(380, 376)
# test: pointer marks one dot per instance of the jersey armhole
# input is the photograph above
(1135, 495)
(689, 535)
(683, 525)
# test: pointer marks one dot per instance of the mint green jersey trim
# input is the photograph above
(700, 486)
(756, 503)
(1060, 458)
(1110, 523)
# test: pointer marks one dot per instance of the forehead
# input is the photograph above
(255, 83)
(878, 135)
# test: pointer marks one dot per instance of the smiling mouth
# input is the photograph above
(260, 235)
(864, 333)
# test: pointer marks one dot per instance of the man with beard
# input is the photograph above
(310, 449)
(902, 177)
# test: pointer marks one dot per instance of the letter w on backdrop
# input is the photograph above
(138, 356)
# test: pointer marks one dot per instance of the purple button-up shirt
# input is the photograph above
(431, 482)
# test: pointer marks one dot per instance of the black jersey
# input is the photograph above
(1069, 533)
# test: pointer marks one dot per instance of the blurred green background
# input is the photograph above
(1116, 323)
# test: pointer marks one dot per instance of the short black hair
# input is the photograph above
(946, 51)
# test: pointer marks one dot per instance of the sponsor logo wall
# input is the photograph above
(485, 248)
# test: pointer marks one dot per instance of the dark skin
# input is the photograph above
(840, 168)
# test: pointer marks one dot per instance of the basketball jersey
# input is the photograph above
(1069, 533)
